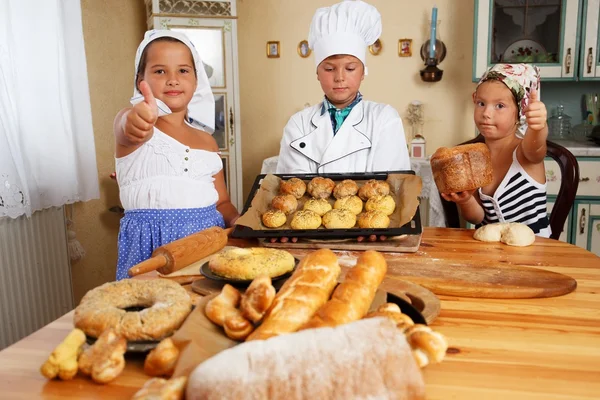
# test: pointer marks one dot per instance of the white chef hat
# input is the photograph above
(348, 27)
(201, 110)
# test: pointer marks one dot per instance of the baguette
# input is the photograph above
(301, 295)
(353, 297)
(366, 359)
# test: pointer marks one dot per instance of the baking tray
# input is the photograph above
(413, 227)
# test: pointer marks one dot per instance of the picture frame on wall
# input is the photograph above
(303, 49)
(376, 47)
(273, 49)
(405, 47)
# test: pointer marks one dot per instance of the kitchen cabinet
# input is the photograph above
(543, 32)
(212, 27)
(583, 224)
(589, 67)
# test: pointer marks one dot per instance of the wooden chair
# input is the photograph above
(569, 169)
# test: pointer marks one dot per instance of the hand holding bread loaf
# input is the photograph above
(461, 168)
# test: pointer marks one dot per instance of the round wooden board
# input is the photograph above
(422, 299)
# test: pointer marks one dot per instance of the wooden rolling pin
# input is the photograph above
(183, 252)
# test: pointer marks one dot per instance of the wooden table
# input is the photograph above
(531, 348)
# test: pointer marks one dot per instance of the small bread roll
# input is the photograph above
(306, 220)
(274, 218)
(373, 219)
(385, 204)
(351, 203)
(320, 206)
(320, 188)
(294, 186)
(347, 187)
(372, 188)
(339, 219)
(286, 203)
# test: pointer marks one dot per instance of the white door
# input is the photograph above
(543, 32)
(216, 42)
(590, 64)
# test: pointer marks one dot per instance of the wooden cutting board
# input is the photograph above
(469, 278)
(422, 299)
(400, 244)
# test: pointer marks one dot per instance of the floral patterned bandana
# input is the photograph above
(521, 79)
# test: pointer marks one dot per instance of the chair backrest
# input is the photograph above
(569, 169)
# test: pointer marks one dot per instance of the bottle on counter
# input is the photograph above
(559, 124)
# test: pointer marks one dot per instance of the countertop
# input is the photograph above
(579, 147)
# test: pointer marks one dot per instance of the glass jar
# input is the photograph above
(559, 125)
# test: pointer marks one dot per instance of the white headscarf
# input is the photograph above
(201, 110)
(348, 27)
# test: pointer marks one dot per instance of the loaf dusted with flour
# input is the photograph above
(461, 168)
(367, 359)
(301, 295)
(352, 298)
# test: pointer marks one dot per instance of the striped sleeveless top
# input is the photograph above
(518, 198)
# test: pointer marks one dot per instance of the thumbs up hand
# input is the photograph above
(536, 114)
(139, 125)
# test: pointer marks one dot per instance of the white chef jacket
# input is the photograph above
(371, 139)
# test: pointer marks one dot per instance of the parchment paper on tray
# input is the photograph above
(404, 188)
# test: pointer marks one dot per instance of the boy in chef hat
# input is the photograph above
(344, 132)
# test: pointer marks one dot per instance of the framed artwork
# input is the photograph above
(273, 49)
(405, 47)
(376, 47)
(303, 49)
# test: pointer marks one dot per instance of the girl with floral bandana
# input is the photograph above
(512, 119)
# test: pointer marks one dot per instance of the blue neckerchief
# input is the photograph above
(339, 116)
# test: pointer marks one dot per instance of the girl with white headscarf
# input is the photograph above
(343, 133)
(168, 166)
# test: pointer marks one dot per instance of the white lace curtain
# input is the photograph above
(47, 154)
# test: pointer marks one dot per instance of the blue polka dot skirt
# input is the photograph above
(142, 231)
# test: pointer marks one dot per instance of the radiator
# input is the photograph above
(35, 273)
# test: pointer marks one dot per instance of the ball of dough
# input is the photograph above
(320, 206)
(385, 204)
(305, 220)
(373, 219)
(274, 218)
(339, 219)
(510, 233)
(490, 232)
(286, 203)
(373, 187)
(518, 234)
(320, 188)
(350, 203)
(294, 186)
(347, 187)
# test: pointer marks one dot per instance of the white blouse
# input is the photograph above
(163, 173)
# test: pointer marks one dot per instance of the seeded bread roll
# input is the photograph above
(320, 206)
(351, 203)
(274, 218)
(385, 204)
(462, 168)
(339, 219)
(373, 219)
(306, 220)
